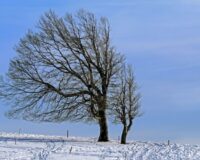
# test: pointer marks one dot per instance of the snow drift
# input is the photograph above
(41, 147)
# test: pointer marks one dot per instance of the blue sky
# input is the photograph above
(161, 39)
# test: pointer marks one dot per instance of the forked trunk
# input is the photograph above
(124, 135)
(103, 137)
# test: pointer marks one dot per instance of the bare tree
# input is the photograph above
(63, 71)
(126, 101)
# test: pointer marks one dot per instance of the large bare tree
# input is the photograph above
(126, 106)
(63, 71)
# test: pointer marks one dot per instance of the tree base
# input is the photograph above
(103, 139)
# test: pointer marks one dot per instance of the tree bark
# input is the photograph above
(103, 137)
(124, 135)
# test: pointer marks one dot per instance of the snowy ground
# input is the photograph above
(38, 147)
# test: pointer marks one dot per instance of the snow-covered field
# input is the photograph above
(39, 147)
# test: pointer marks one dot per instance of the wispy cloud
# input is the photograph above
(180, 47)
(191, 2)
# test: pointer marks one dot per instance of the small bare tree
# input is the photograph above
(126, 101)
(63, 71)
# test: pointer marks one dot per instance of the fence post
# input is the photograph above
(67, 133)
(168, 142)
(20, 131)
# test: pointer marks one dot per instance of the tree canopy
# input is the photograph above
(64, 70)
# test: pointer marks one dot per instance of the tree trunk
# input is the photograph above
(103, 137)
(124, 135)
